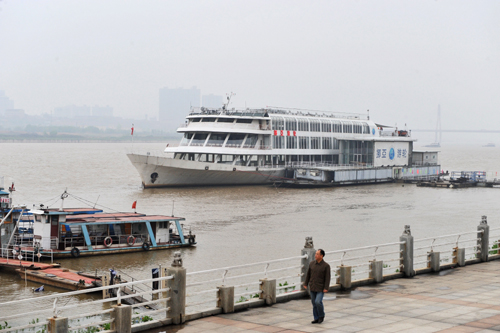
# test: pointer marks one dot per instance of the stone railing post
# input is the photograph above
(58, 325)
(309, 251)
(483, 239)
(164, 283)
(105, 283)
(268, 288)
(434, 262)
(377, 271)
(459, 256)
(122, 316)
(407, 252)
(177, 292)
(344, 278)
(226, 299)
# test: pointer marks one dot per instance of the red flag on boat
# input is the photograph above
(134, 204)
(132, 130)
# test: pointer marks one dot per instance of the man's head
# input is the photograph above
(319, 255)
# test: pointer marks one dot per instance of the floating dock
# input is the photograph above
(462, 179)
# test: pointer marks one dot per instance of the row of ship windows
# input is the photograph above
(293, 124)
(304, 142)
(218, 139)
(319, 125)
(237, 140)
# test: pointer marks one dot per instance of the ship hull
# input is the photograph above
(157, 171)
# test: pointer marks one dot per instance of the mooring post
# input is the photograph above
(177, 292)
(58, 325)
(122, 316)
(268, 291)
(407, 252)
(226, 299)
(483, 236)
(309, 251)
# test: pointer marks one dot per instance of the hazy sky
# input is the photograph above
(400, 59)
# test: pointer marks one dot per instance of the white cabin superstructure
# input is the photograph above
(228, 147)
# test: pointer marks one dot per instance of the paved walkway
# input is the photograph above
(465, 299)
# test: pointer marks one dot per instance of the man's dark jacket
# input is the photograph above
(318, 276)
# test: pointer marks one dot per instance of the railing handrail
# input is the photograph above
(84, 291)
(365, 247)
(245, 265)
(450, 235)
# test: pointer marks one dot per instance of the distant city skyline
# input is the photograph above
(399, 59)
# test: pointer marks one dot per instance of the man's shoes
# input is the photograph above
(315, 321)
(320, 320)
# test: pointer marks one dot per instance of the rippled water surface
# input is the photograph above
(236, 225)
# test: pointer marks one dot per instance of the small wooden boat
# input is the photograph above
(60, 277)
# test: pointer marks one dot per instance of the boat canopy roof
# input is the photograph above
(384, 126)
(116, 218)
(4, 193)
(66, 211)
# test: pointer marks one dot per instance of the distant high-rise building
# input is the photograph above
(211, 101)
(102, 111)
(5, 103)
(72, 111)
(175, 105)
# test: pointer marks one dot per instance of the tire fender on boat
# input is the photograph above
(108, 241)
(145, 246)
(130, 240)
(75, 252)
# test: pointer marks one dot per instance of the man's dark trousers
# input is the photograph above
(317, 302)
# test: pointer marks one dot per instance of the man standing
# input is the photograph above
(318, 280)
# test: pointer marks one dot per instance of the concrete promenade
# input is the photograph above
(463, 299)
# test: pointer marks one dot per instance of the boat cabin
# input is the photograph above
(78, 231)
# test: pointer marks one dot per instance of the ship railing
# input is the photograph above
(70, 240)
(329, 165)
(84, 314)
(430, 163)
(16, 253)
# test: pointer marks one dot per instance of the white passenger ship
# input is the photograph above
(237, 147)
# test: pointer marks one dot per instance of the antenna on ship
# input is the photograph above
(173, 208)
(368, 111)
(63, 196)
(228, 97)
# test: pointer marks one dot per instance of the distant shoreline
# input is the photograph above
(81, 141)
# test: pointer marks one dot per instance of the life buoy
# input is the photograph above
(130, 240)
(145, 246)
(191, 241)
(75, 252)
(108, 241)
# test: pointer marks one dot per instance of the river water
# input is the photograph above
(235, 225)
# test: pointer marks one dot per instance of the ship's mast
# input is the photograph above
(228, 97)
